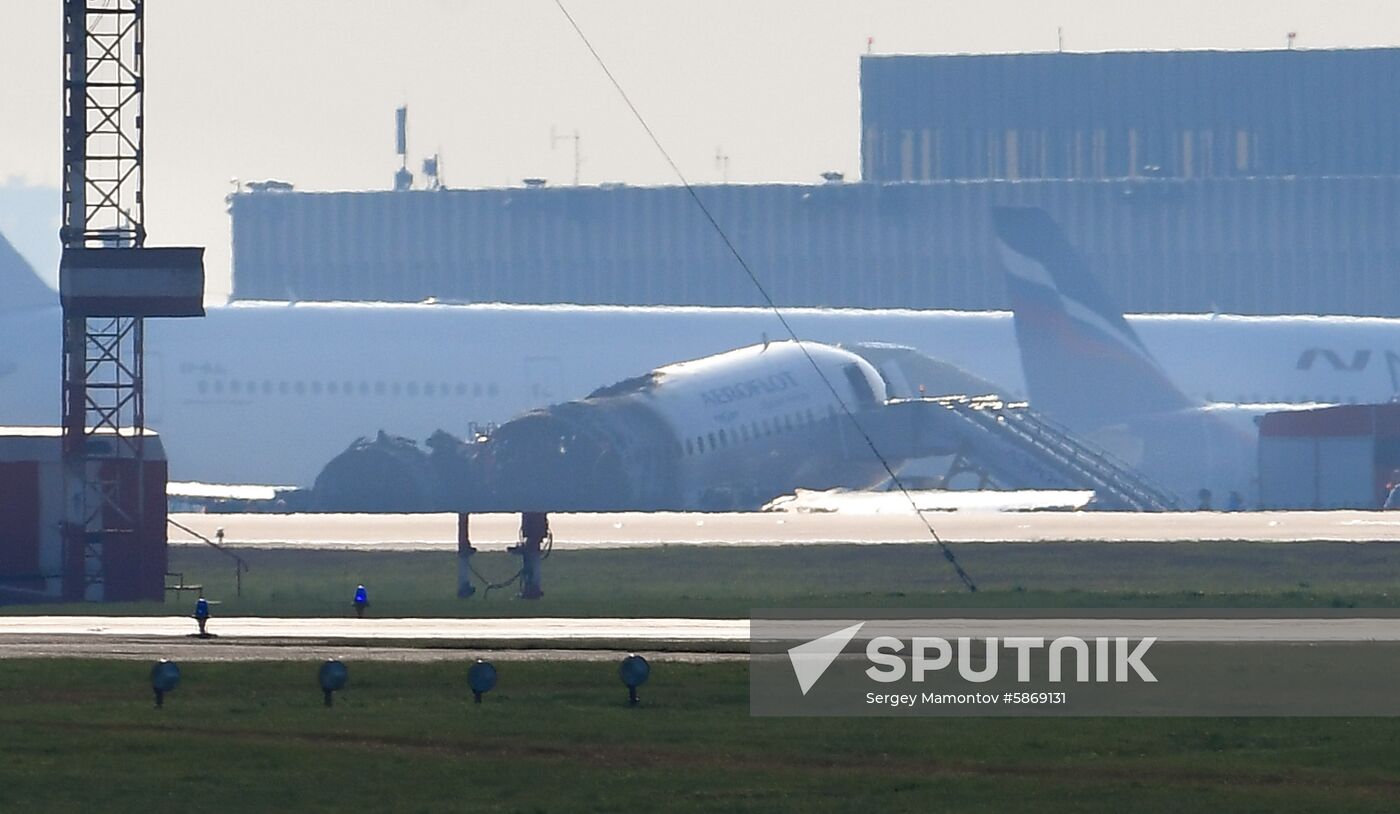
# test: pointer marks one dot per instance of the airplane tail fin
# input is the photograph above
(1083, 364)
(20, 287)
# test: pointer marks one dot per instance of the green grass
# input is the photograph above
(729, 582)
(82, 735)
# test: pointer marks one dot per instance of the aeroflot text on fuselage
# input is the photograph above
(748, 389)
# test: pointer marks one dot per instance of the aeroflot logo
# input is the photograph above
(1100, 660)
(776, 383)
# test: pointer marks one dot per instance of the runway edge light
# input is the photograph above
(333, 676)
(481, 677)
(165, 676)
(634, 672)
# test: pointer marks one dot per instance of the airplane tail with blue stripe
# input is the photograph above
(1083, 363)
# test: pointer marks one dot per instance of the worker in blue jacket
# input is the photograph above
(201, 614)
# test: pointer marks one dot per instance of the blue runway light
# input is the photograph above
(634, 672)
(481, 677)
(333, 676)
(165, 676)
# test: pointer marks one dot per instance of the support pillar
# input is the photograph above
(534, 529)
(464, 558)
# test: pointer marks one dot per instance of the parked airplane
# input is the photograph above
(268, 392)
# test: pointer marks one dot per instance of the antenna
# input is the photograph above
(1292, 35)
(555, 138)
(403, 179)
(722, 163)
(1060, 37)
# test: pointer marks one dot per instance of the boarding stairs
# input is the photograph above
(1010, 446)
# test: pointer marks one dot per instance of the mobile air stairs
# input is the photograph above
(1009, 446)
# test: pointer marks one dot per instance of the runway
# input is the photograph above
(437, 532)
(262, 639)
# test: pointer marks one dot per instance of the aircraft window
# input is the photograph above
(267, 387)
(445, 389)
(492, 389)
(300, 388)
(348, 388)
(754, 427)
(430, 389)
(744, 432)
(218, 385)
(395, 388)
(411, 388)
(332, 388)
(282, 388)
(810, 417)
(712, 441)
(364, 388)
(787, 422)
(831, 410)
(864, 393)
(689, 448)
(461, 388)
(723, 439)
(476, 390)
(767, 428)
(235, 386)
(202, 387)
(251, 387)
(316, 388)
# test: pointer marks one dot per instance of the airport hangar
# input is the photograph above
(1253, 182)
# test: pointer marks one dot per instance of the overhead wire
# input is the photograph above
(768, 299)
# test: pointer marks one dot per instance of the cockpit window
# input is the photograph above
(865, 394)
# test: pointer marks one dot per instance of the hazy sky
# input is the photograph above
(304, 90)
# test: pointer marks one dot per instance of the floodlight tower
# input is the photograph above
(108, 283)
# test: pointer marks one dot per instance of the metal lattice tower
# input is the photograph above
(103, 152)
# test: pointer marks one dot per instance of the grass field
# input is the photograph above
(559, 737)
(729, 582)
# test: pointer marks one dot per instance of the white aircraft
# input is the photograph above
(268, 392)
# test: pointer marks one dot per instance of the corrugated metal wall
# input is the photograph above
(1238, 245)
(1181, 114)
